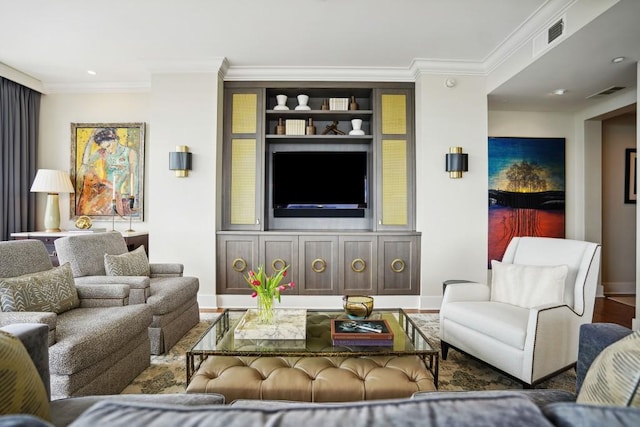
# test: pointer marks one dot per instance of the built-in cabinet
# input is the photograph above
(323, 263)
(372, 250)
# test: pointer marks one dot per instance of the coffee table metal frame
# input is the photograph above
(215, 341)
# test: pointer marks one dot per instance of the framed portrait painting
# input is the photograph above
(526, 190)
(630, 178)
(107, 170)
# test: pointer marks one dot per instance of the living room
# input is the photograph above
(182, 104)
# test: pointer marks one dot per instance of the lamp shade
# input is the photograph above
(51, 181)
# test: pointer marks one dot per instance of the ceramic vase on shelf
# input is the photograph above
(302, 102)
(356, 124)
(282, 102)
(265, 309)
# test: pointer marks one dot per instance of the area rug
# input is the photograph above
(459, 372)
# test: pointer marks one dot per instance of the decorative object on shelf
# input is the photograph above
(302, 102)
(311, 129)
(356, 124)
(280, 127)
(52, 182)
(353, 105)
(339, 104)
(180, 161)
(132, 202)
(325, 104)
(84, 222)
(357, 306)
(267, 289)
(107, 163)
(456, 162)
(332, 129)
(282, 102)
(295, 127)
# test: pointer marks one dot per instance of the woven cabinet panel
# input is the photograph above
(244, 113)
(394, 114)
(243, 181)
(394, 182)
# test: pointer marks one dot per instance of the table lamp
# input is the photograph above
(52, 182)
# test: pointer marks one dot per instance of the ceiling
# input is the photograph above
(124, 41)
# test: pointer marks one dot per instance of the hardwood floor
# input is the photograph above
(610, 311)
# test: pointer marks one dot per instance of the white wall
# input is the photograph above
(451, 213)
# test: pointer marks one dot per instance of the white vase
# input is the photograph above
(302, 102)
(356, 124)
(282, 102)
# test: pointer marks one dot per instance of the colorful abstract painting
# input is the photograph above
(526, 190)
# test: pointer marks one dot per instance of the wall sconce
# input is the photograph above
(52, 182)
(180, 161)
(456, 162)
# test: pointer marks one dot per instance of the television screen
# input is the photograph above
(323, 180)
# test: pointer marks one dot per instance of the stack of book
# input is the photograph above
(295, 127)
(375, 333)
(339, 104)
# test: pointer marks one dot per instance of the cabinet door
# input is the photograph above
(243, 155)
(237, 254)
(278, 251)
(395, 156)
(358, 255)
(318, 265)
(399, 265)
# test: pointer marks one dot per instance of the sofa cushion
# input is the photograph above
(22, 390)
(509, 410)
(572, 414)
(614, 376)
(134, 263)
(527, 286)
(51, 291)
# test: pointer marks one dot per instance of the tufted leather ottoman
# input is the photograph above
(312, 379)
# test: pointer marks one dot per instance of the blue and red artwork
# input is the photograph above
(526, 190)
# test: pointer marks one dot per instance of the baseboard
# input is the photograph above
(619, 288)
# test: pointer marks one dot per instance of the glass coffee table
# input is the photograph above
(219, 340)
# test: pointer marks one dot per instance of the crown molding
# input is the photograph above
(382, 74)
(104, 87)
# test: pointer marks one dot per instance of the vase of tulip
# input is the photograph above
(267, 289)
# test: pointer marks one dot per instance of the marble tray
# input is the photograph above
(288, 324)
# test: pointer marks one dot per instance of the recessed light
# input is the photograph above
(93, 73)
(618, 59)
(559, 91)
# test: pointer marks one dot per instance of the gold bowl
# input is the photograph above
(357, 306)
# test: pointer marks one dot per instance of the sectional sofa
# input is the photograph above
(600, 346)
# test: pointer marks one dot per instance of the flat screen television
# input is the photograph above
(319, 183)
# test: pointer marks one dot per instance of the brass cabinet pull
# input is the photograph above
(397, 265)
(362, 265)
(239, 265)
(323, 265)
(278, 264)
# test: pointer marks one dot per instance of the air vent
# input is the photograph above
(549, 37)
(607, 91)
(555, 31)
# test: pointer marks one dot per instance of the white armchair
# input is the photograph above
(526, 322)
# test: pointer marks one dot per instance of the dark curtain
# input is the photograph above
(19, 116)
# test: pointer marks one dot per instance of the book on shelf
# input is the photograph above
(295, 127)
(365, 332)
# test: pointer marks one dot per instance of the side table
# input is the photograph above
(133, 240)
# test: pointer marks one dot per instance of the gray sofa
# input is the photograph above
(96, 345)
(487, 408)
(173, 298)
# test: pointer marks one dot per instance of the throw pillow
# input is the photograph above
(134, 263)
(614, 377)
(22, 390)
(52, 290)
(528, 285)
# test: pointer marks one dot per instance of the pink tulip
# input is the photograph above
(292, 285)
(282, 288)
(254, 294)
(284, 274)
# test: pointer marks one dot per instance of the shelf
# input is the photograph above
(319, 114)
(362, 138)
